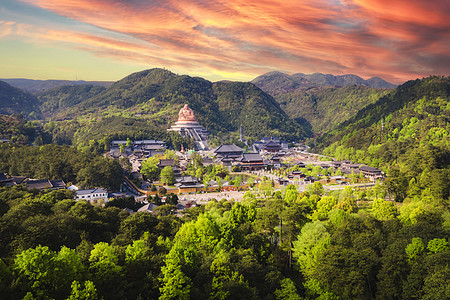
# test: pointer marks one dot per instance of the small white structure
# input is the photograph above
(92, 195)
(73, 188)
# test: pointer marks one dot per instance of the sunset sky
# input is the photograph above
(234, 40)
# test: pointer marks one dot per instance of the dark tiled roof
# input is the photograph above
(251, 157)
(188, 179)
(369, 169)
(152, 147)
(11, 181)
(148, 142)
(228, 148)
(208, 160)
(272, 144)
(3, 177)
(58, 184)
(118, 142)
(39, 184)
(166, 162)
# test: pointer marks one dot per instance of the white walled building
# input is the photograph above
(92, 195)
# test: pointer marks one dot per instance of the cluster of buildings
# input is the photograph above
(124, 148)
(266, 154)
(91, 195)
(346, 167)
(31, 184)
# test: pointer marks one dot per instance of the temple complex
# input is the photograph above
(187, 126)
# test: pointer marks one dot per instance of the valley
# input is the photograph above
(311, 187)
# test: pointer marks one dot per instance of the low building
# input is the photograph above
(189, 184)
(207, 161)
(270, 145)
(45, 184)
(231, 151)
(275, 160)
(148, 145)
(96, 195)
(6, 180)
(166, 163)
(301, 164)
(282, 181)
(371, 172)
(116, 144)
(251, 162)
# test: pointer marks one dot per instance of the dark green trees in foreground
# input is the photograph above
(61, 162)
(287, 245)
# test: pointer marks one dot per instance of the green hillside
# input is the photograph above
(153, 98)
(326, 107)
(61, 98)
(16, 101)
(321, 100)
(16, 129)
(406, 132)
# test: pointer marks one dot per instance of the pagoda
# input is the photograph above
(187, 126)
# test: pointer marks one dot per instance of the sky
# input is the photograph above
(396, 40)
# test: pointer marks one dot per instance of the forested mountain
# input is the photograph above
(323, 101)
(16, 101)
(56, 100)
(275, 83)
(155, 96)
(326, 107)
(406, 132)
(18, 130)
(36, 86)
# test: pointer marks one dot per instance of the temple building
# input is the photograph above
(187, 126)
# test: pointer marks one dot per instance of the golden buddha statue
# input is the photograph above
(186, 114)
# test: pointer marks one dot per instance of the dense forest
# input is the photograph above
(16, 129)
(325, 108)
(407, 133)
(59, 99)
(272, 245)
(61, 162)
(16, 101)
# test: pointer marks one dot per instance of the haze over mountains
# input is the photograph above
(276, 82)
(270, 82)
(34, 86)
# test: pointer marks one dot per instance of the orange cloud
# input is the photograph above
(393, 39)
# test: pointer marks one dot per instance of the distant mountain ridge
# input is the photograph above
(34, 86)
(16, 101)
(322, 100)
(277, 82)
(156, 95)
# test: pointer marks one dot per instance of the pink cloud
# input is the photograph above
(393, 39)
